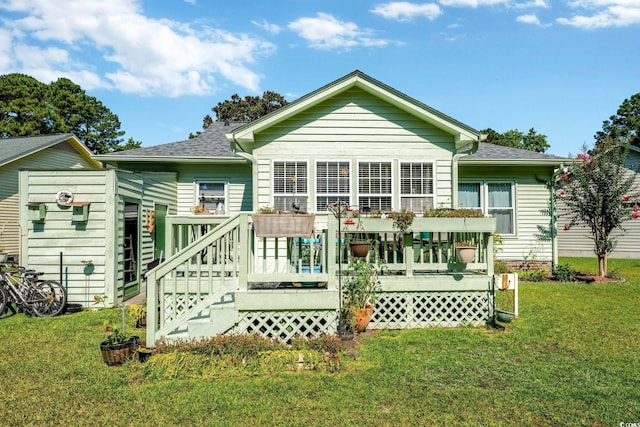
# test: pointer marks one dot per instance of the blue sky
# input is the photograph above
(559, 66)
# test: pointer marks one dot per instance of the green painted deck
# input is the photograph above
(221, 278)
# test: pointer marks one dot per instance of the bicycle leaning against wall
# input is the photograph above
(20, 286)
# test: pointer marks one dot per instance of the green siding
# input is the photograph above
(101, 238)
(531, 198)
(577, 241)
(60, 156)
(354, 126)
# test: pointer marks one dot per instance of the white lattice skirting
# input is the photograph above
(181, 303)
(415, 310)
(285, 325)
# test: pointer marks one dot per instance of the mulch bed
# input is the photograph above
(593, 278)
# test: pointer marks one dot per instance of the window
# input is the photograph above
(213, 195)
(374, 185)
(500, 206)
(290, 185)
(332, 184)
(499, 202)
(416, 186)
(469, 195)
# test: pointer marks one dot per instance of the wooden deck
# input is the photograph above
(222, 278)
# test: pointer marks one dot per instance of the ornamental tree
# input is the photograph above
(596, 191)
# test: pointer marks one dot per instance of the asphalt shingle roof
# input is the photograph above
(212, 142)
(488, 151)
(15, 148)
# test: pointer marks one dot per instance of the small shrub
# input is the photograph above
(500, 267)
(533, 275)
(563, 273)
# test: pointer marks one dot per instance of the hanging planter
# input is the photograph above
(359, 249)
(466, 252)
(283, 225)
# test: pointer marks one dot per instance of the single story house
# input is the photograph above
(354, 141)
(61, 151)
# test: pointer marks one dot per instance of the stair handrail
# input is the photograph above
(154, 275)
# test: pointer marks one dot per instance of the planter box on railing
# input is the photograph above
(283, 225)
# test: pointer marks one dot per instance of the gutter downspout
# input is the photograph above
(254, 170)
(454, 168)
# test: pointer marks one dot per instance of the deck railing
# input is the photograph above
(209, 257)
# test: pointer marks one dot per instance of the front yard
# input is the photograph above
(572, 358)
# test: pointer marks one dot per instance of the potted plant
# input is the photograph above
(200, 210)
(402, 221)
(359, 242)
(3, 255)
(360, 291)
(118, 347)
(139, 312)
(466, 251)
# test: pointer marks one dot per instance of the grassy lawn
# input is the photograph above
(573, 358)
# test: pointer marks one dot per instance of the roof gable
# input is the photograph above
(13, 149)
(462, 133)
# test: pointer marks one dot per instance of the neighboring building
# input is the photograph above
(355, 141)
(577, 241)
(62, 151)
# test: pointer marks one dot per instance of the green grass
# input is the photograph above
(572, 358)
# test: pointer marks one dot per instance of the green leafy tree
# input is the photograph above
(513, 138)
(29, 107)
(596, 193)
(625, 124)
(245, 109)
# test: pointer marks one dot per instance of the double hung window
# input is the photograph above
(416, 186)
(332, 184)
(290, 185)
(493, 198)
(375, 185)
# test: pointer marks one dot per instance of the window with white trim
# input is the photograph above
(416, 186)
(290, 185)
(375, 185)
(213, 195)
(332, 184)
(494, 198)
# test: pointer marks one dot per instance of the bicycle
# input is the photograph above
(21, 287)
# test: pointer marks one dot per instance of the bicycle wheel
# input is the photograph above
(4, 299)
(49, 298)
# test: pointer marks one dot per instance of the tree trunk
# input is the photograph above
(602, 265)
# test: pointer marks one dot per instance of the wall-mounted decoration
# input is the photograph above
(151, 220)
(37, 211)
(64, 197)
(80, 211)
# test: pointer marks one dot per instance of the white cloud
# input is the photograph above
(471, 3)
(405, 11)
(533, 4)
(595, 14)
(529, 19)
(272, 28)
(326, 32)
(143, 55)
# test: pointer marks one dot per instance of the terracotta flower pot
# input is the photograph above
(359, 249)
(466, 254)
(361, 318)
